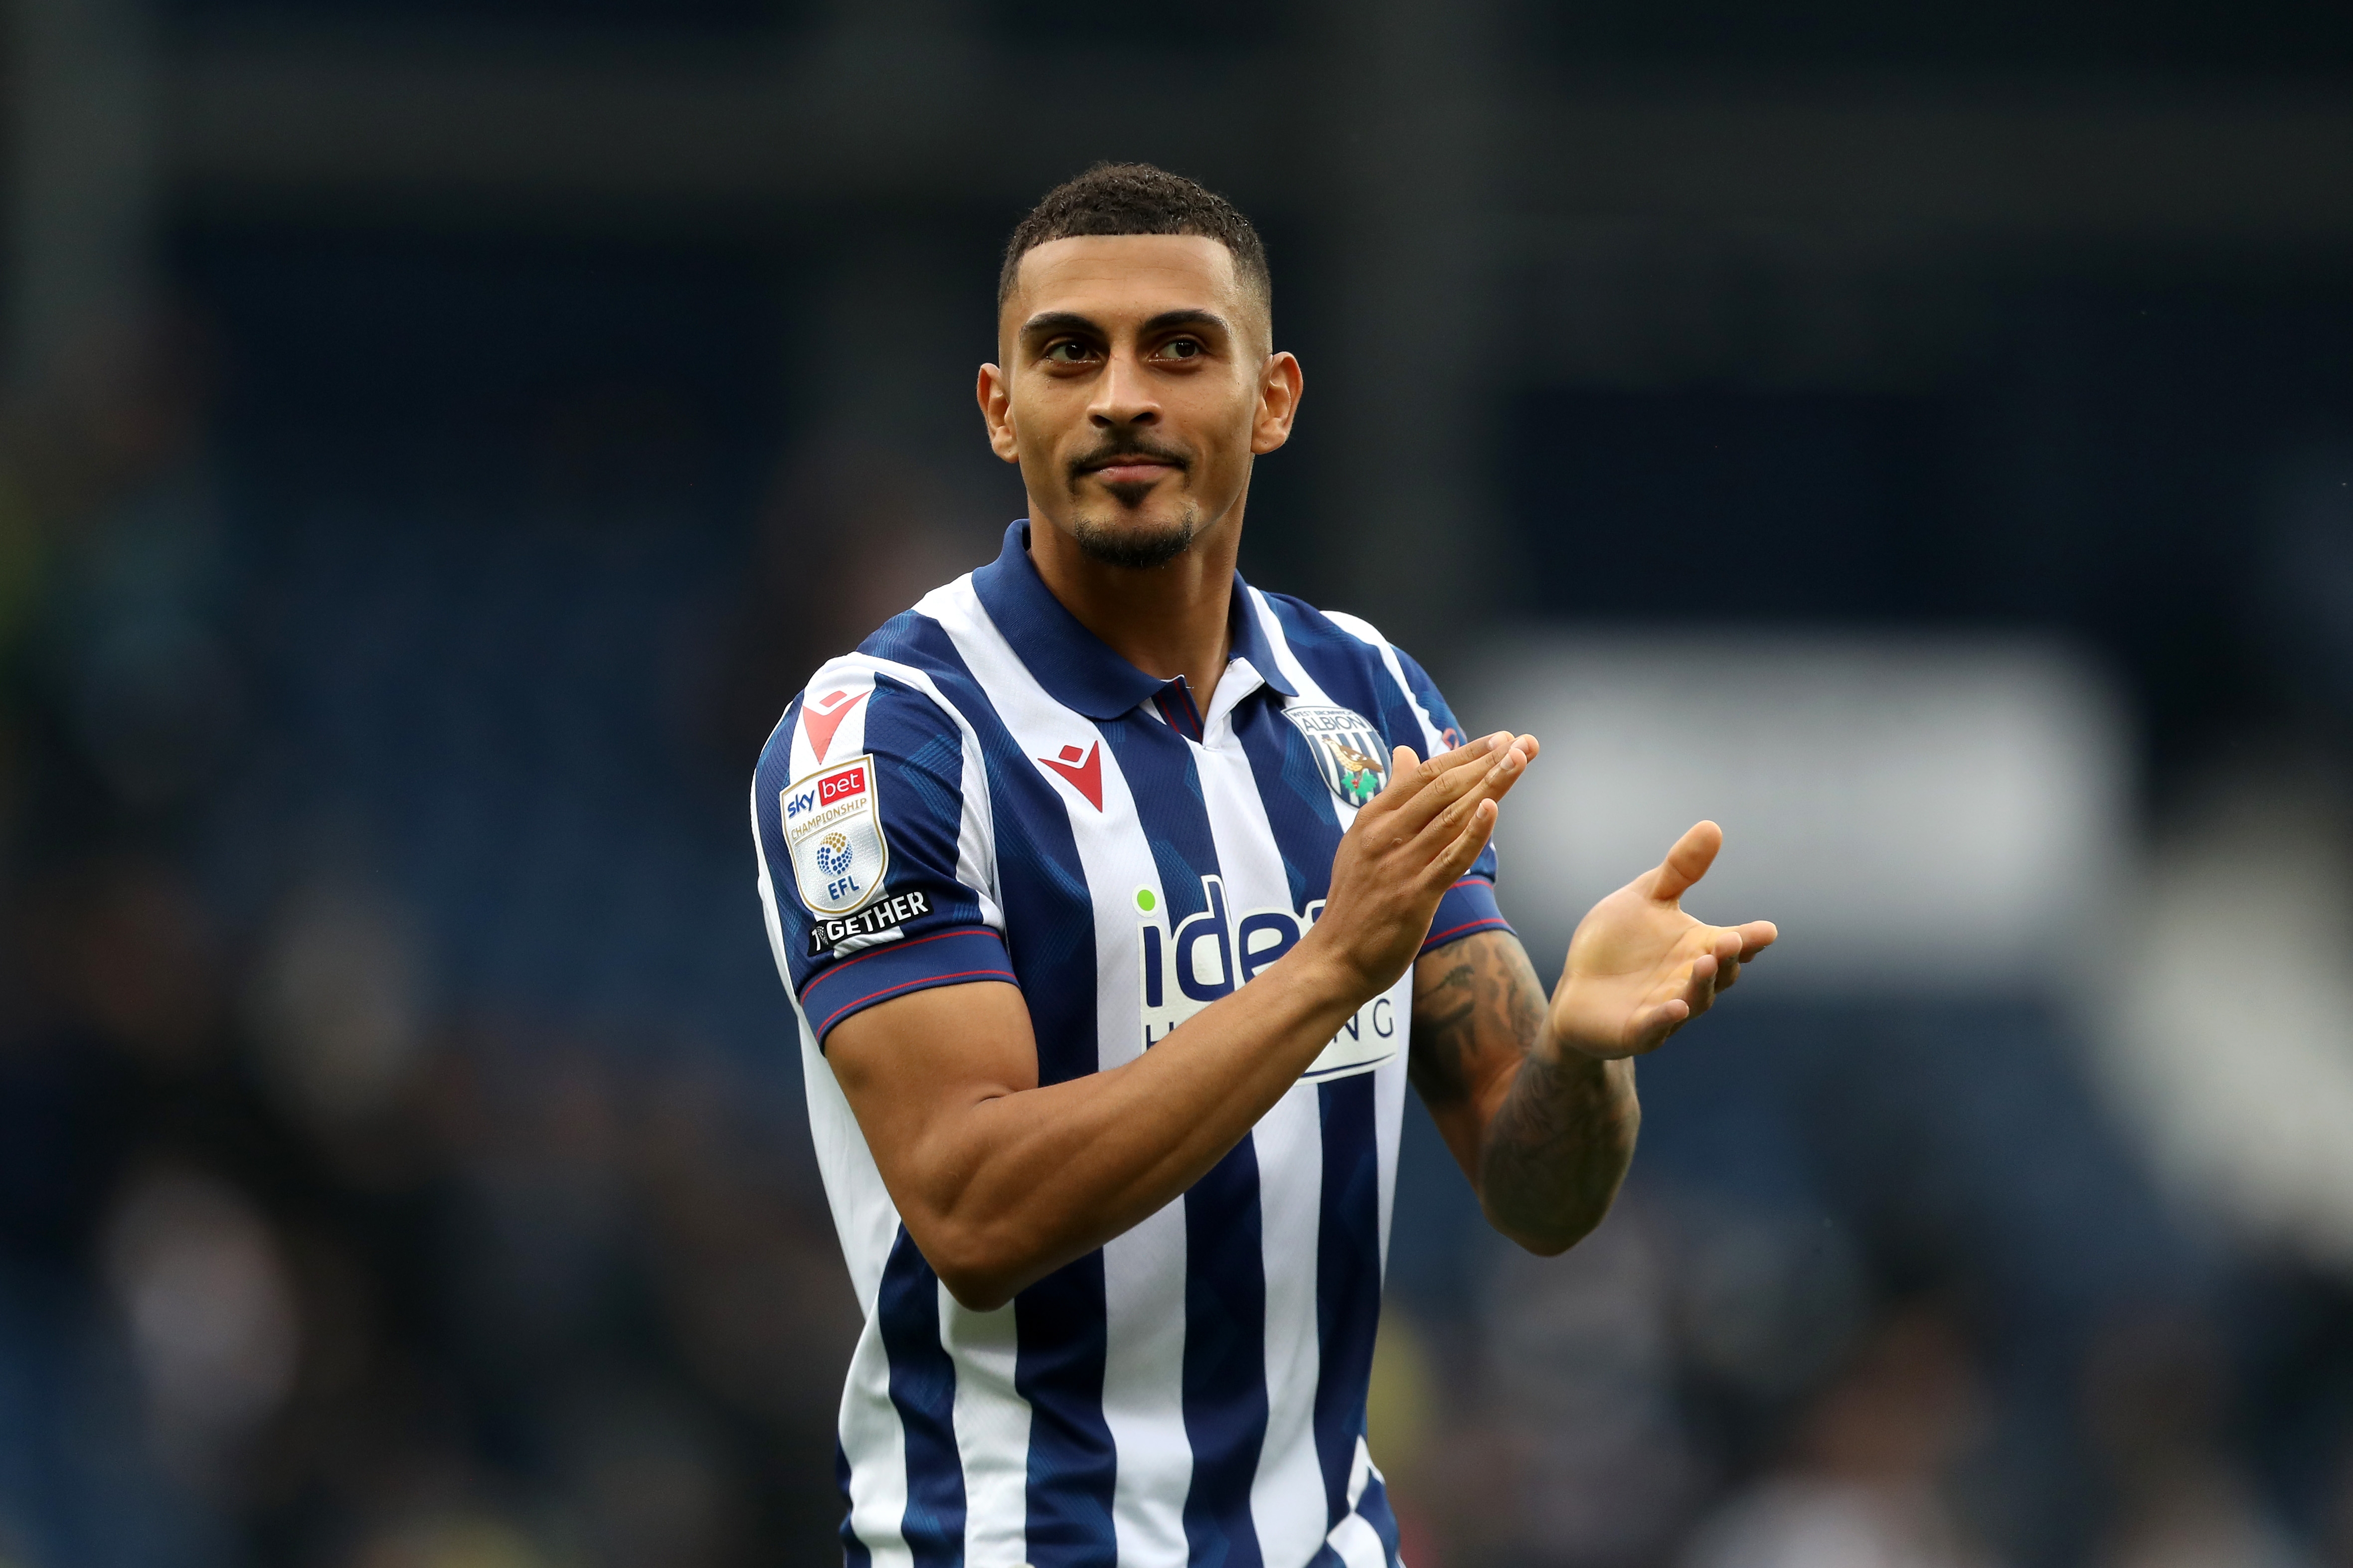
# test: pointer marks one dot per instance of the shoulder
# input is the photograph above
(1336, 630)
(1341, 651)
(1340, 636)
(891, 697)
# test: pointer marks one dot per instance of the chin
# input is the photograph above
(1136, 538)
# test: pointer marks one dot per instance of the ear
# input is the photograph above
(1280, 383)
(996, 397)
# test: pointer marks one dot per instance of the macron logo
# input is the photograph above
(824, 716)
(1082, 774)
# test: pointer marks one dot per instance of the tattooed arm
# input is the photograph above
(1544, 1135)
(1537, 1099)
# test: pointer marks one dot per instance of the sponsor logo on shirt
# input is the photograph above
(1349, 751)
(834, 833)
(882, 920)
(1211, 953)
(1083, 773)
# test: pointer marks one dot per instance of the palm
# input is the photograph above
(1640, 968)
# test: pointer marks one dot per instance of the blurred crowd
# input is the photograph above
(1608, 1412)
(301, 1262)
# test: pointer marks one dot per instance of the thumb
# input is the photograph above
(1687, 862)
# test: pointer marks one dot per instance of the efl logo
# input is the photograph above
(834, 834)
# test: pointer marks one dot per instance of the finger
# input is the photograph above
(1687, 862)
(1726, 946)
(1445, 779)
(1404, 765)
(1727, 961)
(1409, 774)
(1481, 746)
(1711, 973)
(1470, 751)
(1699, 984)
(1649, 1029)
(1439, 783)
(1447, 869)
(1508, 767)
(1756, 937)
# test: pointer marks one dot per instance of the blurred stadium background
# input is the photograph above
(438, 435)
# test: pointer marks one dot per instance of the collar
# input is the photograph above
(1077, 668)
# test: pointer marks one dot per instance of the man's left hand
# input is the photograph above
(1640, 968)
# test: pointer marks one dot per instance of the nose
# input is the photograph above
(1124, 396)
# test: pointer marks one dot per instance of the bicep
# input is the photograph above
(1477, 1006)
(913, 1066)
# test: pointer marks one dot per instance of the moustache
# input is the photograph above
(1128, 447)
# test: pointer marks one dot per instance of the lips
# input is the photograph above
(1132, 471)
(1135, 464)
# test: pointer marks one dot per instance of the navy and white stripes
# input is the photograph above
(1193, 1391)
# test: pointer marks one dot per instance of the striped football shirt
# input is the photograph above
(985, 792)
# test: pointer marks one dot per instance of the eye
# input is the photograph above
(1181, 348)
(1067, 350)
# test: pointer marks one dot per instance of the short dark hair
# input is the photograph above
(1137, 198)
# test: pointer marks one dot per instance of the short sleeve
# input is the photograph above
(1469, 906)
(869, 845)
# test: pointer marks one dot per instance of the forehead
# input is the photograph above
(1109, 277)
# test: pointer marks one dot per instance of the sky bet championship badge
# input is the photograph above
(835, 835)
(1350, 752)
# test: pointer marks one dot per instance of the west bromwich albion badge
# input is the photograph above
(834, 833)
(1349, 751)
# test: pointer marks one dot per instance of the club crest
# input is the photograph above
(1348, 750)
(834, 833)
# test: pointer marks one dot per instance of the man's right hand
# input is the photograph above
(1408, 845)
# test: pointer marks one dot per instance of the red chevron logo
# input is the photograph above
(824, 716)
(1083, 773)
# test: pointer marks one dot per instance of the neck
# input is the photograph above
(1167, 621)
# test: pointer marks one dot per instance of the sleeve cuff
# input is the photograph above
(944, 958)
(1468, 908)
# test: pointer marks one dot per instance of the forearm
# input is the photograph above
(1556, 1147)
(1029, 1179)
(1544, 1134)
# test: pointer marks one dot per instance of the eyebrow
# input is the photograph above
(1169, 321)
(1049, 323)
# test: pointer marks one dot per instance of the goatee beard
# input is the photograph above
(1139, 549)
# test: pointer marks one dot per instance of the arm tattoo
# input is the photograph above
(1557, 1148)
(1444, 1019)
(1487, 1000)
(1557, 1144)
